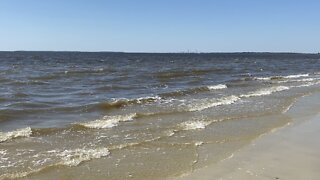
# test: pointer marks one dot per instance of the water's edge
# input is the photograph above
(304, 109)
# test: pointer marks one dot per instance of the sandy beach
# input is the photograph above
(290, 152)
(66, 117)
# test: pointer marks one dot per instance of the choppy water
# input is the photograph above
(121, 115)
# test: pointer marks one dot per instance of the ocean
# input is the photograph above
(106, 115)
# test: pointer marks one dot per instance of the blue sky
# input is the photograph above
(161, 26)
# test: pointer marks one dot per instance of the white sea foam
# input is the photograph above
(307, 84)
(67, 158)
(296, 76)
(219, 86)
(139, 100)
(198, 143)
(305, 80)
(263, 78)
(205, 104)
(147, 98)
(76, 156)
(108, 121)
(24, 132)
(170, 133)
(266, 91)
(192, 125)
(3, 152)
(18, 175)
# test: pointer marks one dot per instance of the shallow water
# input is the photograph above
(141, 116)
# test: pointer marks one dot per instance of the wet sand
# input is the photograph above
(290, 152)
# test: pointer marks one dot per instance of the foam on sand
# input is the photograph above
(24, 132)
(108, 121)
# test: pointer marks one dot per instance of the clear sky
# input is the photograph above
(161, 25)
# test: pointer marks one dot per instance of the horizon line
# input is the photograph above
(178, 52)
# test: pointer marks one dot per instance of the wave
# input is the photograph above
(118, 103)
(298, 80)
(266, 91)
(219, 86)
(67, 158)
(262, 78)
(77, 156)
(73, 72)
(113, 88)
(307, 84)
(205, 104)
(193, 91)
(112, 121)
(201, 105)
(294, 76)
(108, 121)
(193, 125)
(24, 132)
(305, 80)
(164, 75)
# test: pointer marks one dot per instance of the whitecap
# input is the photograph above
(76, 156)
(192, 125)
(170, 133)
(24, 132)
(263, 78)
(307, 84)
(304, 80)
(296, 76)
(266, 91)
(148, 98)
(218, 86)
(198, 143)
(205, 104)
(108, 121)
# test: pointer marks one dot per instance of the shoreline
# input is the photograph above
(287, 152)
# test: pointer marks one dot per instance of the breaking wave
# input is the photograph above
(198, 124)
(24, 132)
(266, 91)
(201, 105)
(193, 91)
(294, 76)
(219, 86)
(192, 125)
(76, 156)
(67, 158)
(118, 103)
(108, 121)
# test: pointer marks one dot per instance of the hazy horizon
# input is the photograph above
(178, 52)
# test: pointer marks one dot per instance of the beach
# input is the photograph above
(290, 152)
(100, 115)
(159, 90)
